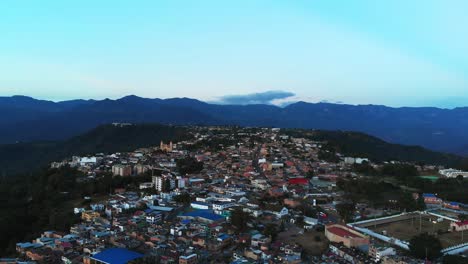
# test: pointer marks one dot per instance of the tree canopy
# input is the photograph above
(425, 246)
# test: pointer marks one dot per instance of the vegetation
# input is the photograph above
(425, 246)
(183, 198)
(329, 156)
(356, 144)
(239, 219)
(27, 157)
(378, 193)
(454, 259)
(189, 165)
(346, 211)
(271, 230)
(45, 199)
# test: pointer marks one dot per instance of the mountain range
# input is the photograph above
(26, 119)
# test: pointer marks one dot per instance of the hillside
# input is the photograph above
(25, 157)
(357, 144)
(437, 129)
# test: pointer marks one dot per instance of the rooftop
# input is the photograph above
(116, 256)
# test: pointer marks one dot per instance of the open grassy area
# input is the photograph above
(406, 229)
(313, 242)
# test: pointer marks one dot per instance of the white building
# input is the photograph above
(200, 205)
(220, 206)
(453, 173)
(377, 253)
(160, 182)
(154, 217)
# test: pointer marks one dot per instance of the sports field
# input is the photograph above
(407, 228)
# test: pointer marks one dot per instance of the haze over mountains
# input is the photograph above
(26, 119)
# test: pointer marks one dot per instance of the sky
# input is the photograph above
(391, 52)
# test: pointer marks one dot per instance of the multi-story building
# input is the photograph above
(140, 169)
(377, 253)
(121, 170)
(164, 183)
(220, 206)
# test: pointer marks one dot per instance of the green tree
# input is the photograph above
(189, 165)
(271, 230)
(239, 219)
(346, 211)
(425, 246)
(183, 198)
(454, 259)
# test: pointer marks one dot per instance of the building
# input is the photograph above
(88, 161)
(221, 206)
(200, 205)
(377, 253)
(259, 240)
(452, 205)
(350, 255)
(89, 215)
(113, 256)
(459, 226)
(431, 198)
(346, 235)
(166, 147)
(204, 216)
(121, 170)
(153, 217)
(452, 173)
(164, 183)
(298, 181)
(140, 169)
(190, 259)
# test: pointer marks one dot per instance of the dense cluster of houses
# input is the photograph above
(277, 181)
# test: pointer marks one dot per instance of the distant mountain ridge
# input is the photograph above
(26, 119)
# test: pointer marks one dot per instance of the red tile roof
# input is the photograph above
(302, 181)
(462, 223)
(341, 232)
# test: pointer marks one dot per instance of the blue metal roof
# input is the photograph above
(116, 256)
(207, 214)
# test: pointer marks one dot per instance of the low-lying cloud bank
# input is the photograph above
(255, 98)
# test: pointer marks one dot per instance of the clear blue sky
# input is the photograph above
(382, 52)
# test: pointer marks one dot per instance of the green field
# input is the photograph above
(430, 177)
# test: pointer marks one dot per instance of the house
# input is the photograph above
(431, 198)
(452, 205)
(459, 226)
(298, 181)
(350, 255)
(89, 215)
(259, 240)
(282, 213)
(189, 259)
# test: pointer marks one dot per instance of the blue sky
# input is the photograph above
(397, 53)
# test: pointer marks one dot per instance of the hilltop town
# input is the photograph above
(253, 195)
